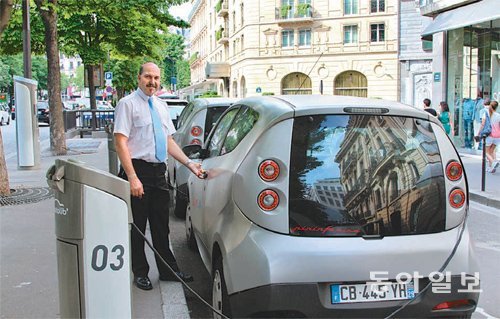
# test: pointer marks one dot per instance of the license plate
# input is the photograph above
(372, 292)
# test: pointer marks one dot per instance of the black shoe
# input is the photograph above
(185, 277)
(143, 283)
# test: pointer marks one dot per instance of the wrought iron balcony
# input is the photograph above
(294, 14)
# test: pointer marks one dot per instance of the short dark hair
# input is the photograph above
(494, 105)
(427, 102)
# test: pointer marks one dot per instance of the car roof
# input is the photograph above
(298, 105)
(214, 101)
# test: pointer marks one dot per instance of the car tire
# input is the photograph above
(180, 205)
(191, 240)
(220, 298)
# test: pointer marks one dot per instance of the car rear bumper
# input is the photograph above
(314, 301)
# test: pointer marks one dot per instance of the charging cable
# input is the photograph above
(443, 267)
(178, 278)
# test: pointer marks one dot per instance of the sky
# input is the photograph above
(181, 11)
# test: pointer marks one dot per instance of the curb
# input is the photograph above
(484, 199)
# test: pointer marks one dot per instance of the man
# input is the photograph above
(428, 108)
(143, 133)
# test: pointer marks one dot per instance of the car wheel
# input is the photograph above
(191, 240)
(180, 205)
(220, 298)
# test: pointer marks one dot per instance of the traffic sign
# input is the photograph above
(108, 75)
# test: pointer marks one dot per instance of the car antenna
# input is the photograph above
(317, 60)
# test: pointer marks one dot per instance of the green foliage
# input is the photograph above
(125, 73)
(218, 6)
(210, 94)
(219, 33)
(267, 93)
(303, 9)
(193, 57)
(78, 80)
(11, 42)
(11, 65)
(284, 10)
(65, 81)
(183, 74)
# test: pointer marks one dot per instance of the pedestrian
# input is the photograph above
(493, 139)
(428, 108)
(444, 116)
(143, 131)
(481, 106)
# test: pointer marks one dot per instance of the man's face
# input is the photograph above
(149, 80)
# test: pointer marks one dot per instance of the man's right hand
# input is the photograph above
(136, 188)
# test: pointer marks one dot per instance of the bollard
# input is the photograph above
(483, 172)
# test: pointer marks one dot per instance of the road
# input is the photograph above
(483, 226)
(9, 137)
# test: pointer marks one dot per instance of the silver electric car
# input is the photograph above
(193, 125)
(332, 206)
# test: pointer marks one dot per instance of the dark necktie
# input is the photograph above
(160, 141)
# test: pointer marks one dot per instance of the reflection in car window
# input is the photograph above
(185, 114)
(365, 175)
(217, 138)
(213, 114)
(242, 124)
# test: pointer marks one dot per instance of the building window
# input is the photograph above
(351, 83)
(377, 6)
(287, 38)
(377, 32)
(305, 37)
(242, 42)
(350, 7)
(426, 45)
(242, 14)
(295, 84)
(350, 34)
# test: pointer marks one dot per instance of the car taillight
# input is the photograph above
(196, 131)
(195, 141)
(454, 171)
(269, 170)
(268, 200)
(457, 198)
(453, 304)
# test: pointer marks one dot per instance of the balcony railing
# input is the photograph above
(287, 13)
(222, 8)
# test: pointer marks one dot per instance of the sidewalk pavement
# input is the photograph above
(28, 260)
(472, 161)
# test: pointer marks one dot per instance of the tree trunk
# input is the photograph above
(57, 134)
(5, 13)
(4, 176)
(93, 105)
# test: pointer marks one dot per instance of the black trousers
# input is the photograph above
(152, 207)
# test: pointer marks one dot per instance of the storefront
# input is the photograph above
(471, 58)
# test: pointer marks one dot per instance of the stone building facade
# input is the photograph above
(241, 48)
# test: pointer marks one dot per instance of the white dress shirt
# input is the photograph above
(133, 119)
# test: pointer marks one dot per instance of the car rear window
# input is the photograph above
(213, 114)
(356, 175)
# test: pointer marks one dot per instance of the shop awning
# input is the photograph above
(485, 10)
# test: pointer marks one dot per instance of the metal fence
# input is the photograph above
(87, 120)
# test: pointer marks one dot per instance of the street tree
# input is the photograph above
(44, 40)
(124, 74)
(5, 13)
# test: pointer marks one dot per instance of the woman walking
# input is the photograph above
(444, 116)
(492, 140)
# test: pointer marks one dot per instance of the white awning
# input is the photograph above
(485, 10)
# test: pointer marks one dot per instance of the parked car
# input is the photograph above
(193, 125)
(175, 107)
(4, 114)
(332, 206)
(43, 113)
